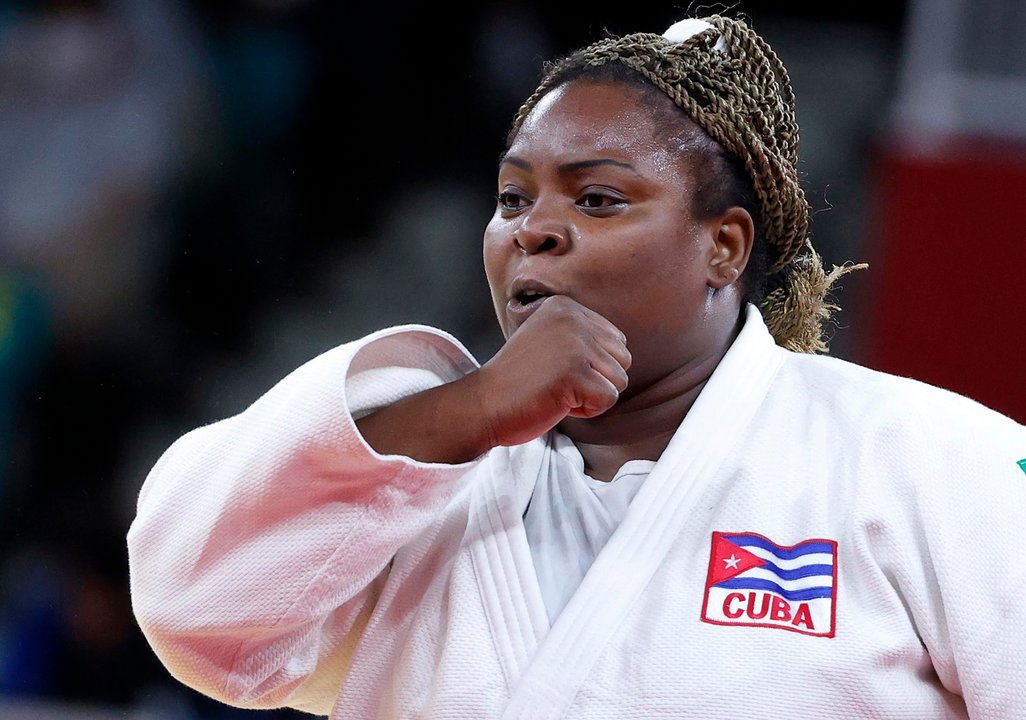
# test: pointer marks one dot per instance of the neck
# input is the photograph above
(640, 425)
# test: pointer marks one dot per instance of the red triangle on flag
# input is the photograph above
(727, 560)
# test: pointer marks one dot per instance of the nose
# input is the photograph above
(541, 231)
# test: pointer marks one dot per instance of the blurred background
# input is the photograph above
(196, 197)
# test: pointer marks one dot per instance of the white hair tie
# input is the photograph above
(688, 28)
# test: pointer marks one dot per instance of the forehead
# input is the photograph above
(587, 116)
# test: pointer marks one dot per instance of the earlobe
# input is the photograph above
(733, 235)
(729, 274)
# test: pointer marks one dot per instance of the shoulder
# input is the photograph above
(857, 409)
(868, 389)
(889, 411)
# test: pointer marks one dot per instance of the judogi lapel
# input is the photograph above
(545, 666)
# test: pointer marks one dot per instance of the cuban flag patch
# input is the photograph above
(753, 581)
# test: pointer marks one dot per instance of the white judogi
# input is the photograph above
(277, 560)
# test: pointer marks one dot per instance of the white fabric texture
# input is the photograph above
(571, 516)
(276, 559)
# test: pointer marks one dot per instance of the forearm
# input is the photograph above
(445, 424)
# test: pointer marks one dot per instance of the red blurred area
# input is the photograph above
(949, 304)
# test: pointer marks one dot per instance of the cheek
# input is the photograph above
(660, 254)
(495, 263)
(673, 271)
(493, 255)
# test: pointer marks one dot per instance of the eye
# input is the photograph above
(511, 200)
(600, 200)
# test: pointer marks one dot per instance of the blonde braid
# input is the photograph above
(743, 99)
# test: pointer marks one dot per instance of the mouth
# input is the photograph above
(526, 296)
(527, 291)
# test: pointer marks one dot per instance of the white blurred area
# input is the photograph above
(963, 72)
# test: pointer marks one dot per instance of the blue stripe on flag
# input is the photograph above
(798, 573)
(743, 583)
(804, 548)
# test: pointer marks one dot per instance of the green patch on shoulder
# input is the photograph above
(1021, 464)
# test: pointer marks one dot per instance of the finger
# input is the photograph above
(610, 367)
(616, 347)
(610, 338)
(565, 303)
(594, 397)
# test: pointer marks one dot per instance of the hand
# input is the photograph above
(564, 360)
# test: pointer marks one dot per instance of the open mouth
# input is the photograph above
(526, 297)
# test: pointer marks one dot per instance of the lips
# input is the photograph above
(526, 295)
(527, 291)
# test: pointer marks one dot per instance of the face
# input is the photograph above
(595, 204)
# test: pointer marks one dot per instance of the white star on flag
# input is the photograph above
(732, 561)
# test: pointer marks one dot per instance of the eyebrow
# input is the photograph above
(571, 167)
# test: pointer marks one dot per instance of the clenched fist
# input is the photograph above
(564, 360)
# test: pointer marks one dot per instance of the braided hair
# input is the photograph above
(732, 86)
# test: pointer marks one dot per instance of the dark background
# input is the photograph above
(197, 197)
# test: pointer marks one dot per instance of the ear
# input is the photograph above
(733, 233)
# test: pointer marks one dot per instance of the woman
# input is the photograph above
(656, 500)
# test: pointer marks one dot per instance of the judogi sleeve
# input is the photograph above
(963, 565)
(261, 541)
